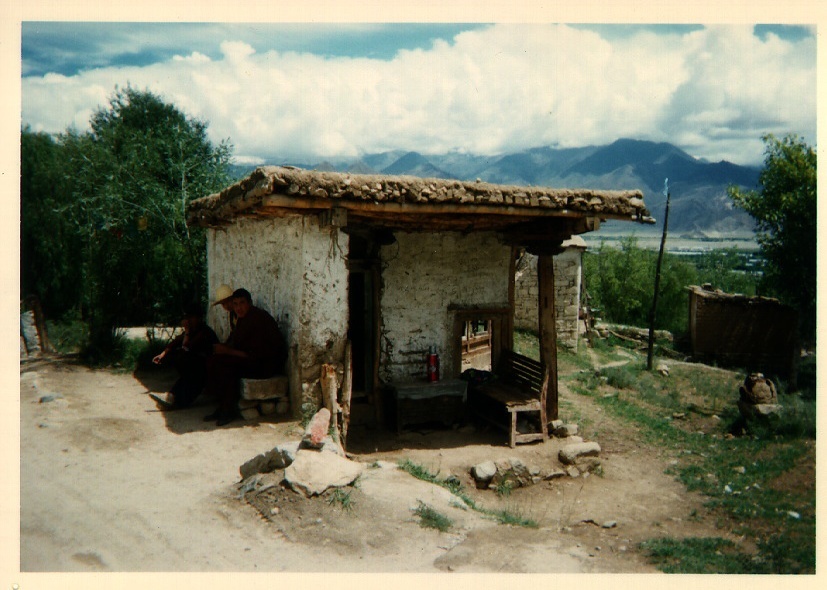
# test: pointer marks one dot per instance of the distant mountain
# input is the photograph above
(416, 165)
(699, 207)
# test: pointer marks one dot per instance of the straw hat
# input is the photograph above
(223, 292)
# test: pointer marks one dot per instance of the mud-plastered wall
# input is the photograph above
(422, 275)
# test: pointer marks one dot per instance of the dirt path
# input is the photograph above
(108, 483)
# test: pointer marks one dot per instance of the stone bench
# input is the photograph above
(262, 397)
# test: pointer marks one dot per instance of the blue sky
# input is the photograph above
(312, 91)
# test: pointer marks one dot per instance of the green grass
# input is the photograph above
(341, 498)
(431, 519)
(455, 487)
(740, 476)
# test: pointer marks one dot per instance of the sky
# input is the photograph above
(310, 91)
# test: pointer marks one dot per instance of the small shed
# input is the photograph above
(758, 334)
(371, 272)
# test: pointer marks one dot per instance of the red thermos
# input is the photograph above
(433, 365)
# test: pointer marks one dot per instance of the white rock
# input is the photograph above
(312, 472)
(484, 471)
(569, 454)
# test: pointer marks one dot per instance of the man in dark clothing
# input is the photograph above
(188, 353)
(256, 348)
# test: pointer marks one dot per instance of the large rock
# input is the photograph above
(757, 389)
(277, 458)
(569, 454)
(758, 411)
(313, 472)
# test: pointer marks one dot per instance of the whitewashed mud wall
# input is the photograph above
(296, 270)
(567, 278)
(422, 275)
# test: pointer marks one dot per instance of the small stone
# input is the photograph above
(569, 454)
(275, 510)
(267, 408)
(572, 471)
(609, 524)
(249, 413)
(566, 430)
(793, 514)
(740, 469)
(484, 472)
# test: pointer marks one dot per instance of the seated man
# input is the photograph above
(256, 348)
(188, 353)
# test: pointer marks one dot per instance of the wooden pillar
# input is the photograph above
(548, 331)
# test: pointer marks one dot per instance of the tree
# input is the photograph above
(133, 174)
(621, 282)
(784, 209)
(49, 245)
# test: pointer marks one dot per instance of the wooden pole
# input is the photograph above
(347, 389)
(329, 385)
(548, 332)
(654, 310)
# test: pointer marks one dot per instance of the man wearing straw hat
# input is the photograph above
(256, 348)
(224, 298)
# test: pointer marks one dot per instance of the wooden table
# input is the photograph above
(418, 402)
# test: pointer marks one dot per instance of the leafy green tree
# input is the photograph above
(50, 248)
(724, 269)
(621, 283)
(133, 174)
(784, 208)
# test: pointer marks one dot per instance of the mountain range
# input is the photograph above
(699, 206)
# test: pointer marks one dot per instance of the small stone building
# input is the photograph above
(758, 334)
(567, 278)
(373, 271)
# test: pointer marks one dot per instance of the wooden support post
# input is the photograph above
(548, 331)
(347, 389)
(330, 386)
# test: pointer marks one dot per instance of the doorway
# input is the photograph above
(363, 317)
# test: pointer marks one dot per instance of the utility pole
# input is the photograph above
(653, 311)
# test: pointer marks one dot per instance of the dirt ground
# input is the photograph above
(109, 483)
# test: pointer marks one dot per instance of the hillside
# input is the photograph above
(700, 206)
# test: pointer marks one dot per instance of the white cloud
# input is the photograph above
(712, 91)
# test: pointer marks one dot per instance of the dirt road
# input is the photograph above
(109, 483)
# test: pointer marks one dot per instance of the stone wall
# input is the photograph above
(295, 270)
(567, 277)
(424, 273)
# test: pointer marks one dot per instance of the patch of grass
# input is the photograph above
(503, 488)
(342, 498)
(455, 487)
(753, 484)
(430, 518)
(510, 517)
(527, 343)
(708, 555)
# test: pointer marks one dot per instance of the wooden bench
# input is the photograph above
(518, 387)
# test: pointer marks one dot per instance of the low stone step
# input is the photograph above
(264, 389)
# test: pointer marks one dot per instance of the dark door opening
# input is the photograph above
(360, 331)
